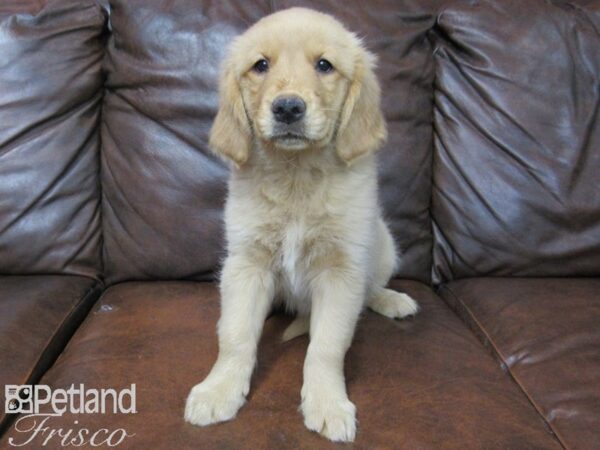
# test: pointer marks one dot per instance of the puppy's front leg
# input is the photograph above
(246, 296)
(336, 304)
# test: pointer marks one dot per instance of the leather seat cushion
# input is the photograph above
(420, 383)
(38, 315)
(547, 334)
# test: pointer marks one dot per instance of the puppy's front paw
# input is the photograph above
(394, 305)
(214, 401)
(334, 418)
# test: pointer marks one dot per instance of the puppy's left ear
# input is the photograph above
(362, 127)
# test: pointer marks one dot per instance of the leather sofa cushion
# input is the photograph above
(420, 383)
(517, 137)
(50, 97)
(547, 334)
(38, 315)
(163, 191)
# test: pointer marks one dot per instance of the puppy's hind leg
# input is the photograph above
(392, 304)
(388, 302)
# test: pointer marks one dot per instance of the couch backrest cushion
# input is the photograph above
(163, 190)
(517, 140)
(50, 99)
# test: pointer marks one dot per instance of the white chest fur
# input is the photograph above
(300, 221)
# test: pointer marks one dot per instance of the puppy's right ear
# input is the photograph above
(231, 135)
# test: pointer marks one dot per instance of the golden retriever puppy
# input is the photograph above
(299, 119)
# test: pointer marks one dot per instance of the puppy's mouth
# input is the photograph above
(290, 140)
(290, 137)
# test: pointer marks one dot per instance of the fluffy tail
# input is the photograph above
(298, 327)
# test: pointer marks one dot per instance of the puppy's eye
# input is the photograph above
(324, 66)
(261, 66)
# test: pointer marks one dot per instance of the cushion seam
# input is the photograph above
(90, 295)
(499, 356)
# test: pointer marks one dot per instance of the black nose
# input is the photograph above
(288, 109)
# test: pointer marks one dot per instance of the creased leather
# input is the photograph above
(163, 189)
(546, 333)
(516, 189)
(50, 98)
(422, 383)
(38, 315)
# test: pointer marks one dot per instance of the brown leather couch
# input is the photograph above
(111, 222)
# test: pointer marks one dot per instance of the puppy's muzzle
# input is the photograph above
(288, 109)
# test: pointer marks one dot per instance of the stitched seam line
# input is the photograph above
(40, 367)
(474, 323)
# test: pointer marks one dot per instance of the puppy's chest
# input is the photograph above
(295, 248)
(295, 236)
(298, 226)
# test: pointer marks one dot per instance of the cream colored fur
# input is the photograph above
(303, 224)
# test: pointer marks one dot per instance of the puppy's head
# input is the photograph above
(298, 79)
